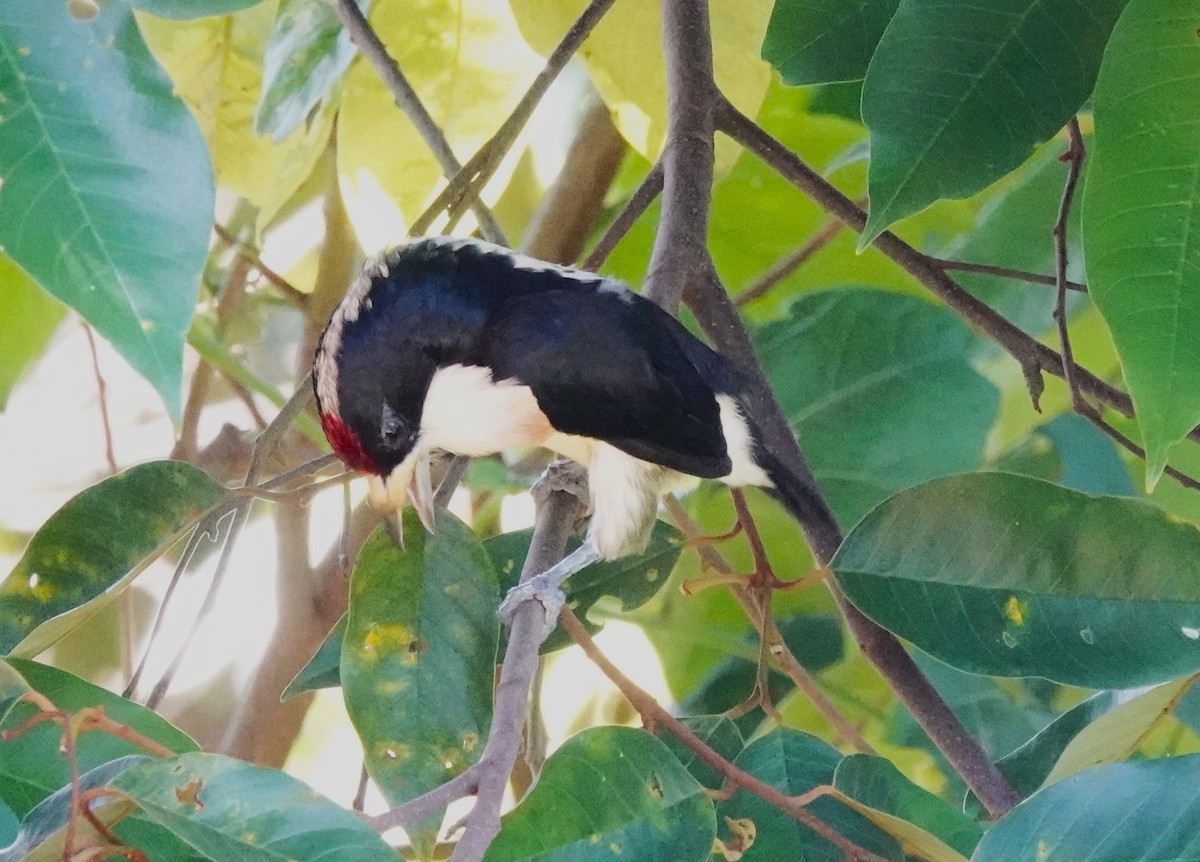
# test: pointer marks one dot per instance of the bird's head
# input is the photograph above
(372, 368)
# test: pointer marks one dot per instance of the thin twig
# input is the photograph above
(789, 263)
(251, 255)
(467, 184)
(653, 713)
(1003, 272)
(102, 394)
(369, 44)
(771, 636)
(638, 203)
(1074, 158)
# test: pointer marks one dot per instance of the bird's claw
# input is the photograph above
(539, 588)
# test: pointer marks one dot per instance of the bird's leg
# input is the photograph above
(546, 588)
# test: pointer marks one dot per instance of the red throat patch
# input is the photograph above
(346, 445)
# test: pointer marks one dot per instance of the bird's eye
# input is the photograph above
(392, 427)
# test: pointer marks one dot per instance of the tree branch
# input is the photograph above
(638, 203)
(681, 246)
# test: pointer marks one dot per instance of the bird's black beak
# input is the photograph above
(410, 480)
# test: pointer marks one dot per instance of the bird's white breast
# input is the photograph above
(468, 413)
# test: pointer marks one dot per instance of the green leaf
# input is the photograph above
(12, 688)
(1010, 576)
(796, 763)
(31, 764)
(956, 93)
(419, 654)
(1117, 734)
(640, 803)
(324, 668)
(879, 785)
(238, 812)
(822, 41)
(30, 318)
(108, 193)
(1146, 810)
(867, 379)
(633, 580)
(183, 10)
(308, 53)
(1139, 230)
(91, 548)
(9, 827)
(1089, 458)
(718, 732)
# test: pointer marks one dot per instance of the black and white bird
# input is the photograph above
(464, 346)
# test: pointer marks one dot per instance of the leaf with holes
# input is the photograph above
(419, 653)
(956, 93)
(231, 810)
(93, 140)
(1140, 232)
(796, 763)
(91, 548)
(822, 41)
(1010, 576)
(640, 804)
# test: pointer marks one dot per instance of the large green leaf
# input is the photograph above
(719, 733)
(29, 319)
(1146, 811)
(107, 198)
(419, 654)
(306, 56)
(94, 545)
(1140, 232)
(238, 812)
(820, 41)
(609, 793)
(32, 765)
(323, 670)
(12, 688)
(956, 93)
(867, 379)
(796, 763)
(1011, 576)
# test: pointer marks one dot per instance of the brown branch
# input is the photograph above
(681, 246)
(789, 263)
(407, 100)
(1074, 157)
(1003, 272)
(654, 714)
(467, 184)
(102, 395)
(638, 203)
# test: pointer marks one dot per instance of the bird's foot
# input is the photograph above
(543, 589)
(570, 478)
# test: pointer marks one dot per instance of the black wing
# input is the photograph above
(605, 363)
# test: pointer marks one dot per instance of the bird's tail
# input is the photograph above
(798, 494)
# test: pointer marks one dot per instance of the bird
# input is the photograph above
(463, 346)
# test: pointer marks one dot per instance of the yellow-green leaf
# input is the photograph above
(624, 56)
(467, 63)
